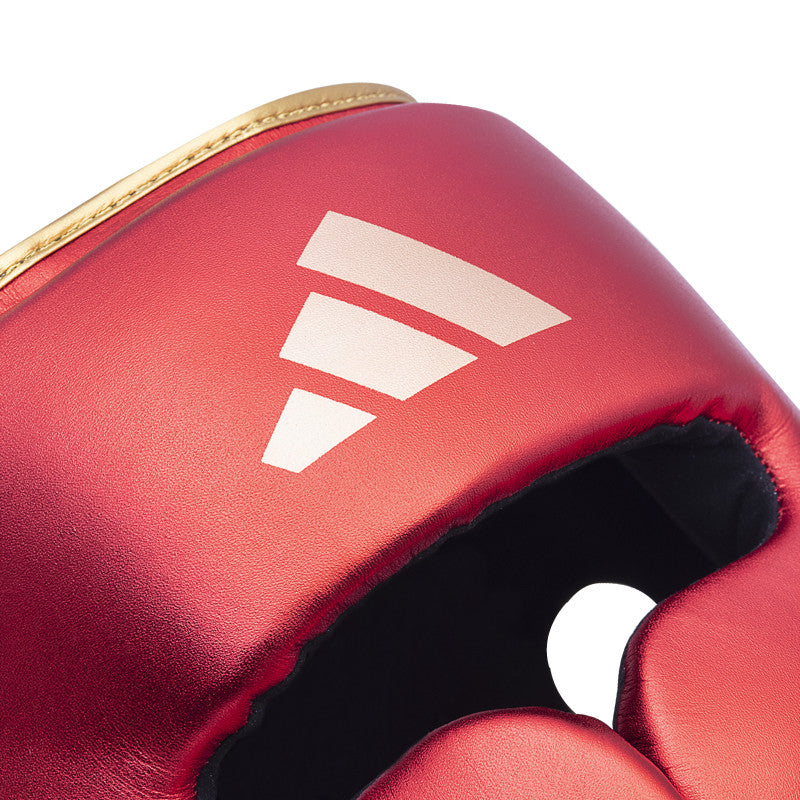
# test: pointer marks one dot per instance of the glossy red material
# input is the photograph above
(45, 270)
(520, 754)
(156, 576)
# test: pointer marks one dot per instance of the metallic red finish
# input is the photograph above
(156, 576)
(520, 754)
(45, 270)
(711, 688)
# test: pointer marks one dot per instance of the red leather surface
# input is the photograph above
(43, 271)
(521, 754)
(156, 576)
(711, 681)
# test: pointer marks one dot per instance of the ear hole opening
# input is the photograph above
(587, 641)
(465, 626)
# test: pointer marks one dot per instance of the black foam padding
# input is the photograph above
(463, 627)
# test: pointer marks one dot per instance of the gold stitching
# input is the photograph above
(241, 132)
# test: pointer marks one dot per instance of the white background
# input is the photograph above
(684, 115)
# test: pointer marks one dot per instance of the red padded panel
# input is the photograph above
(711, 689)
(521, 754)
(42, 271)
(157, 576)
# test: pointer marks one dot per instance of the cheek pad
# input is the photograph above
(522, 753)
(303, 450)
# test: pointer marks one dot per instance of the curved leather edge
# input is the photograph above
(295, 107)
(516, 754)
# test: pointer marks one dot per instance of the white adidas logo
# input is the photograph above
(380, 353)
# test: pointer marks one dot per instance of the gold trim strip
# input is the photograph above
(294, 108)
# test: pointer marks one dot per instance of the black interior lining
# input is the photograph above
(463, 627)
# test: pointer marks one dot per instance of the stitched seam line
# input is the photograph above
(241, 132)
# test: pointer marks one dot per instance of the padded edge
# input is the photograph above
(294, 108)
(517, 754)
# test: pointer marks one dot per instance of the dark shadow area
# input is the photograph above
(463, 627)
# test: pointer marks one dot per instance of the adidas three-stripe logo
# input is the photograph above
(359, 345)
